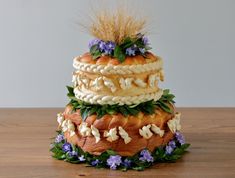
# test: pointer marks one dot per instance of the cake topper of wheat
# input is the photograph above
(115, 25)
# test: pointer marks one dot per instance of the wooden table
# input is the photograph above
(24, 145)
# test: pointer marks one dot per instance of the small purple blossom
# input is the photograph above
(180, 138)
(145, 40)
(73, 153)
(93, 42)
(95, 162)
(170, 147)
(114, 161)
(109, 47)
(102, 46)
(169, 150)
(67, 147)
(81, 158)
(127, 163)
(142, 50)
(146, 156)
(172, 144)
(131, 51)
(59, 138)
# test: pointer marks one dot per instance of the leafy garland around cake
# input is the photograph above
(129, 47)
(148, 107)
(62, 150)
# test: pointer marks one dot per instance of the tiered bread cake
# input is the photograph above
(118, 117)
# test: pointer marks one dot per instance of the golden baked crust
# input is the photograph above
(130, 124)
(130, 60)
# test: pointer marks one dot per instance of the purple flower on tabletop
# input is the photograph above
(127, 163)
(73, 153)
(145, 40)
(169, 150)
(145, 155)
(172, 144)
(114, 161)
(67, 147)
(81, 158)
(93, 42)
(180, 138)
(59, 138)
(131, 51)
(95, 162)
(170, 147)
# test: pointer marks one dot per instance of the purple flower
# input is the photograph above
(172, 144)
(114, 161)
(131, 51)
(180, 138)
(67, 147)
(73, 153)
(59, 138)
(142, 50)
(93, 42)
(145, 40)
(102, 46)
(109, 47)
(169, 150)
(127, 163)
(170, 147)
(95, 162)
(146, 156)
(81, 158)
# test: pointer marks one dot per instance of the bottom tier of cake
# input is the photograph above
(117, 141)
(173, 150)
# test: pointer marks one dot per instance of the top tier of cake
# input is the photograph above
(107, 81)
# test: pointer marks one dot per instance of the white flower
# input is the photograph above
(157, 130)
(96, 133)
(60, 118)
(174, 124)
(111, 134)
(124, 135)
(84, 130)
(145, 131)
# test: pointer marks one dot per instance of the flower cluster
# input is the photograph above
(141, 49)
(114, 161)
(129, 47)
(180, 138)
(170, 147)
(146, 156)
(59, 138)
(106, 48)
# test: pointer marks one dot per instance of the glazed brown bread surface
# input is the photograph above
(129, 60)
(131, 124)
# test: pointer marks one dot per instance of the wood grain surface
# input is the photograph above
(24, 145)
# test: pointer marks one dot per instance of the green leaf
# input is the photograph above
(119, 54)
(95, 52)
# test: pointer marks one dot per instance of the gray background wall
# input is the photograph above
(39, 38)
